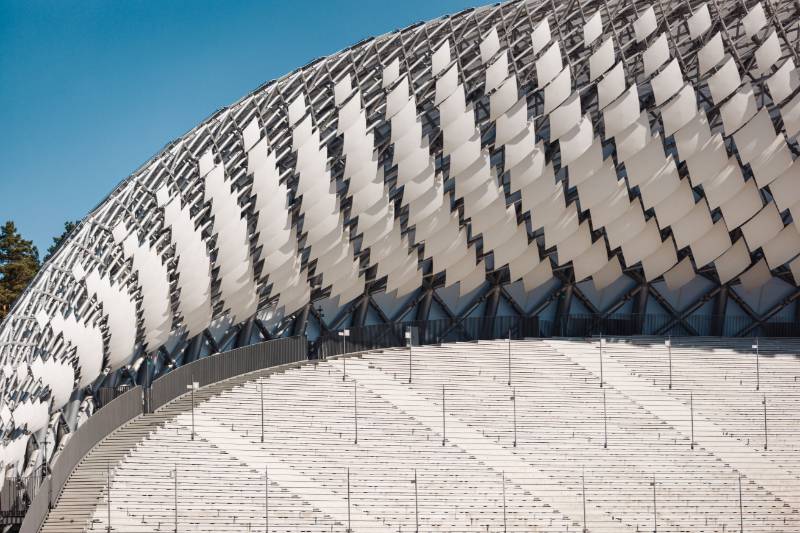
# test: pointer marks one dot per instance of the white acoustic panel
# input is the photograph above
(755, 277)
(607, 275)
(679, 110)
(645, 25)
(549, 64)
(622, 112)
(733, 262)
(611, 86)
(711, 54)
(738, 109)
(724, 81)
(540, 36)
(724, 185)
(763, 227)
(679, 275)
(642, 245)
(602, 59)
(656, 55)
(784, 81)
(783, 247)
(743, 206)
(755, 137)
(699, 22)
(712, 244)
(575, 245)
(772, 162)
(592, 29)
(591, 261)
(541, 274)
(558, 90)
(786, 188)
(667, 82)
(630, 224)
(663, 259)
(566, 117)
(693, 225)
(754, 20)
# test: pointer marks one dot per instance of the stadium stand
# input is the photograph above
(493, 457)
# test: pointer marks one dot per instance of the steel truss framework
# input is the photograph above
(531, 158)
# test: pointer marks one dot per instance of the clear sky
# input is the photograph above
(91, 89)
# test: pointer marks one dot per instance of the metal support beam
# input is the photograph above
(640, 307)
(245, 332)
(720, 305)
(492, 303)
(562, 311)
(424, 305)
(360, 312)
(301, 321)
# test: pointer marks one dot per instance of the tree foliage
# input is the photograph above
(69, 225)
(19, 262)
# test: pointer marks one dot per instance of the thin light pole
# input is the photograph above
(691, 417)
(514, 405)
(344, 334)
(408, 338)
(262, 410)
(602, 341)
(108, 480)
(741, 510)
(605, 421)
(266, 497)
(583, 496)
(355, 411)
(349, 530)
(444, 424)
(416, 501)
(175, 491)
(655, 510)
(505, 523)
(765, 422)
(758, 370)
(192, 412)
(668, 342)
(509, 357)
(192, 386)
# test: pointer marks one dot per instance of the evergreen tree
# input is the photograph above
(19, 262)
(69, 225)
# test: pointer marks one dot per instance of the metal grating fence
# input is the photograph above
(225, 365)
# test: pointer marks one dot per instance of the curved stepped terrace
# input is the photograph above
(466, 460)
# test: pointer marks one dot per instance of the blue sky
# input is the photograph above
(90, 90)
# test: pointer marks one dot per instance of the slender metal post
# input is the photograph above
(416, 501)
(509, 357)
(355, 411)
(344, 334)
(266, 497)
(601, 362)
(758, 371)
(655, 510)
(192, 412)
(176, 497)
(108, 480)
(514, 404)
(691, 415)
(669, 348)
(349, 530)
(605, 421)
(741, 511)
(408, 338)
(444, 424)
(583, 496)
(765, 422)
(505, 523)
(262, 410)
